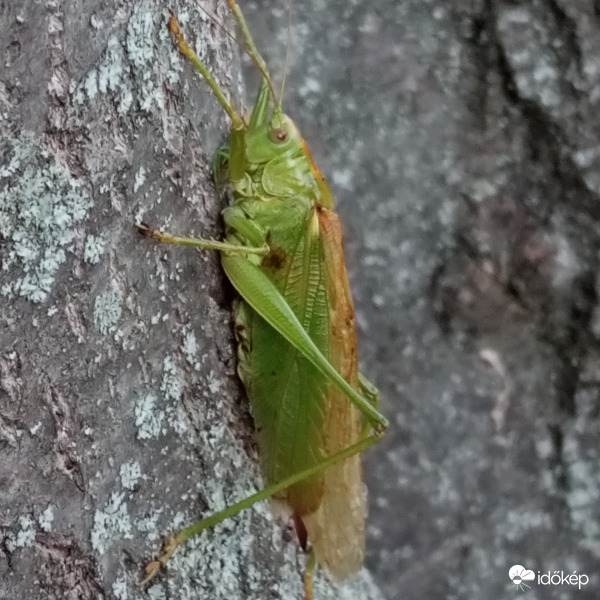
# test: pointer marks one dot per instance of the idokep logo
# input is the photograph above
(519, 575)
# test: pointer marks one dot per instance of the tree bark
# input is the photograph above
(121, 416)
(461, 140)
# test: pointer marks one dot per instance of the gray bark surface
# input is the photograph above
(461, 141)
(121, 416)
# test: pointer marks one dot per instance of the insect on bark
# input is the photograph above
(297, 356)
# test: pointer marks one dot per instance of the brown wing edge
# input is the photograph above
(336, 529)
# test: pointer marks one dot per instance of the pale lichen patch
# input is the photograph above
(581, 461)
(90, 84)
(141, 54)
(34, 430)
(358, 586)
(150, 526)
(130, 473)
(214, 384)
(107, 312)
(46, 519)
(140, 178)
(111, 522)
(108, 76)
(190, 349)
(157, 592)
(140, 37)
(26, 534)
(94, 247)
(110, 71)
(40, 204)
(171, 386)
(132, 71)
(149, 419)
(120, 588)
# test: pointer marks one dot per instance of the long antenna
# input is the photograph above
(189, 53)
(287, 50)
(253, 50)
(245, 50)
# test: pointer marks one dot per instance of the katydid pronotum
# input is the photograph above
(294, 325)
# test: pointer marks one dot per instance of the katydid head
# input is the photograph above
(279, 160)
(276, 137)
(269, 139)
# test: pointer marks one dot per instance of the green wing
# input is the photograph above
(298, 305)
(287, 391)
(261, 292)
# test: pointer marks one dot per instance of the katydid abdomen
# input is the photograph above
(300, 416)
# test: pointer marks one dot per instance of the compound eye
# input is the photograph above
(279, 135)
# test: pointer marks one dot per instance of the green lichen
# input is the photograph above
(40, 205)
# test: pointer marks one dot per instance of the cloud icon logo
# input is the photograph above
(519, 575)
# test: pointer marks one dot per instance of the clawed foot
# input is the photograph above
(152, 568)
(159, 236)
(145, 230)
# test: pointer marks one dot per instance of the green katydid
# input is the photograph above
(294, 326)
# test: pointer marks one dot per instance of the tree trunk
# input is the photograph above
(461, 141)
(121, 416)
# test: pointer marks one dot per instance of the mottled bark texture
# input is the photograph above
(462, 140)
(121, 417)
